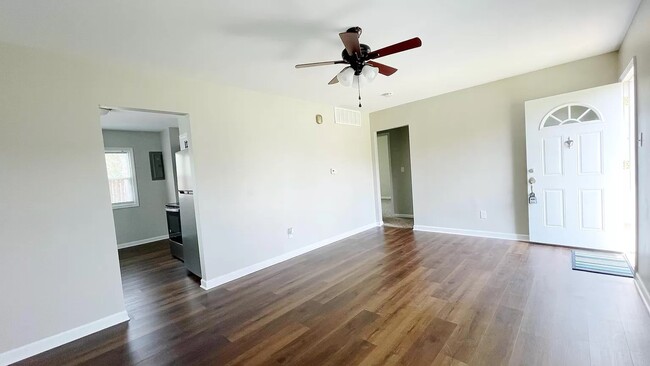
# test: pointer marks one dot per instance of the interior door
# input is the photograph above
(574, 152)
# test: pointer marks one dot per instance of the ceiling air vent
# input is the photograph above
(344, 116)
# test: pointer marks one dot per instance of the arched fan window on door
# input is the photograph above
(570, 113)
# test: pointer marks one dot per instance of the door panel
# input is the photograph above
(554, 207)
(553, 155)
(591, 209)
(574, 152)
(590, 153)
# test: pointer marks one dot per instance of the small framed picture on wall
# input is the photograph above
(157, 165)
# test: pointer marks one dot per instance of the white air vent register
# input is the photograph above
(344, 116)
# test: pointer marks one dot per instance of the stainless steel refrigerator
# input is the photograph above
(188, 220)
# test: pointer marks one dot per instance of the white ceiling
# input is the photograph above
(255, 44)
(127, 120)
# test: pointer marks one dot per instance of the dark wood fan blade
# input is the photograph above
(324, 63)
(351, 42)
(397, 47)
(336, 78)
(383, 69)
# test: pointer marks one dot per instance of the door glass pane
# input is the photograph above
(590, 116)
(562, 114)
(577, 111)
(550, 122)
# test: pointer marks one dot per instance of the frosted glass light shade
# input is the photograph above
(369, 73)
(359, 81)
(346, 77)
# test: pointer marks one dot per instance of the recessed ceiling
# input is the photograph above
(127, 120)
(255, 45)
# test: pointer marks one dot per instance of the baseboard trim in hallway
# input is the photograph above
(141, 242)
(404, 216)
(62, 338)
(218, 281)
(466, 232)
(643, 291)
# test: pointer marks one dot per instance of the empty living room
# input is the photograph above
(437, 182)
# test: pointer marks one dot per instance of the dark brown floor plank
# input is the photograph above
(386, 296)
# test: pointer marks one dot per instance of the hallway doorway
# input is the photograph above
(394, 159)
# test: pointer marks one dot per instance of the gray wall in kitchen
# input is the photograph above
(148, 219)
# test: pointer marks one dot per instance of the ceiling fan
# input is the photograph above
(362, 69)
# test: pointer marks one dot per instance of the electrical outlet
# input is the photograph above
(402, 169)
(483, 214)
(290, 232)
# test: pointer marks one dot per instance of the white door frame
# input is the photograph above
(630, 74)
(185, 116)
(390, 168)
(375, 166)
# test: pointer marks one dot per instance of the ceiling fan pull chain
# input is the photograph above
(359, 88)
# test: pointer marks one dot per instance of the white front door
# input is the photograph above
(574, 152)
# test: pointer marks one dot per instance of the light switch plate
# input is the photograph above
(483, 214)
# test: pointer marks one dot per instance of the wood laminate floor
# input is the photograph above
(383, 297)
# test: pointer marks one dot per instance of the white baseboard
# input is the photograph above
(214, 282)
(404, 216)
(466, 232)
(643, 291)
(140, 242)
(56, 340)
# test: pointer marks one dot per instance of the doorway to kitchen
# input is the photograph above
(394, 158)
(150, 180)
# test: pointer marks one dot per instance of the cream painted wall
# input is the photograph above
(637, 44)
(262, 165)
(468, 147)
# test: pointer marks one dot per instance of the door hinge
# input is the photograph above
(626, 101)
(640, 140)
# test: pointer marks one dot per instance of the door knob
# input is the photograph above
(532, 180)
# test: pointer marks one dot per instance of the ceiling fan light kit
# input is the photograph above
(347, 77)
(362, 70)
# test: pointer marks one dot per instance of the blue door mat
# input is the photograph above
(613, 264)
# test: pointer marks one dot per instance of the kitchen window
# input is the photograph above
(122, 184)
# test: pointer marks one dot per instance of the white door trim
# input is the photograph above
(390, 169)
(630, 74)
(375, 163)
